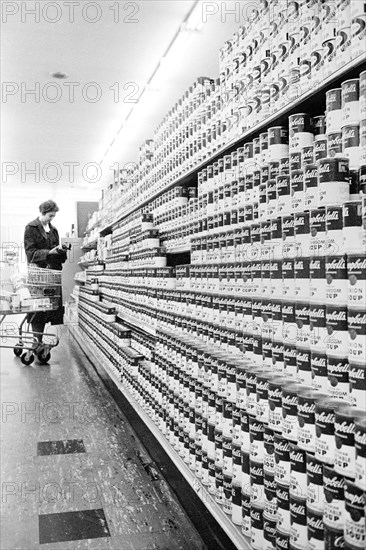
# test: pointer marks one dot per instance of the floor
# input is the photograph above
(74, 474)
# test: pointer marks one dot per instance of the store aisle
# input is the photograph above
(74, 475)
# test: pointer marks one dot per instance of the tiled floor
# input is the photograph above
(73, 473)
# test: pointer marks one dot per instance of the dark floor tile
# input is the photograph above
(68, 446)
(85, 524)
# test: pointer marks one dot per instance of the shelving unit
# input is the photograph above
(92, 352)
(195, 336)
(302, 103)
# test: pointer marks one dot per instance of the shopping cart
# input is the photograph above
(32, 292)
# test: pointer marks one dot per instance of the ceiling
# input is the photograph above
(100, 59)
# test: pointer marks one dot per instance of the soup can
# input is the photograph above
(298, 529)
(325, 413)
(334, 504)
(315, 486)
(354, 518)
(345, 451)
(356, 281)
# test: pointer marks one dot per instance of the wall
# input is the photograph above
(19, 205)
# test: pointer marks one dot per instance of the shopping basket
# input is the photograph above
(39, 289)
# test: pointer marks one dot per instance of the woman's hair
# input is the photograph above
(48, 206)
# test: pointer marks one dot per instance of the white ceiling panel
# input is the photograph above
(110, 54)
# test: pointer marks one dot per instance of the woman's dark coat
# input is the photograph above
(37, 244)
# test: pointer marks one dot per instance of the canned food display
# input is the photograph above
(238, 323)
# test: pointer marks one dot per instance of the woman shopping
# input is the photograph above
(43, 249)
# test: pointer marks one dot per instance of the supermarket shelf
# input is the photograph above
(232, 531)
(275, 118)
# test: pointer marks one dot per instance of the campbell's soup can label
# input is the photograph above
(298, 479)
(356, 265)
(333, 538)
(338, 377)
(344, 429)
(334, 144)
(256, 484)
(302, 233)
(334, 110)
(284, 165)
(300, 131)
(354, 517)
(337, 282)
(333, 181)
(269, 533)
(337, 328)
(278, 142)
(315, 527)
(276, 251)
(289, 411)
(278, 360)
(351, 145)
(307, 155)
(319, 372)
(334, 230)
(311, 186)
(256, 527)
(270, 505)
(317, 232)
(277, 321)
(302, 319)
(315, 487)
(298, 529)
(295, 161)
(256, 431)
(288, 237)
(269, 459)
(318, 329)
(288, 320)
(350, 101)
(236, 515)
(282, 460)
(357, 335)
(319, 126)
(334, 504)
(283, 508)
(275, 404)
(290, 360)
(288, 279)
(360, 452)
(262, 409)
(317, 279)
(324, 429)
(320, 149)
(303, 365)
(343, 43)
(302, 278)
(357, 383)
(352, 227)
(283, 189)
(282, 540)
(245, 506)
(306, 418)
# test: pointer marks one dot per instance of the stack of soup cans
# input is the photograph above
(255, 359)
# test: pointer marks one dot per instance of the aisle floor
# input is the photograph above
(74, 474)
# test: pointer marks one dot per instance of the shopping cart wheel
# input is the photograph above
(27, 359)
(43, 357)
(18, 350)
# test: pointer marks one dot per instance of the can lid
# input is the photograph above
(351, 412)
